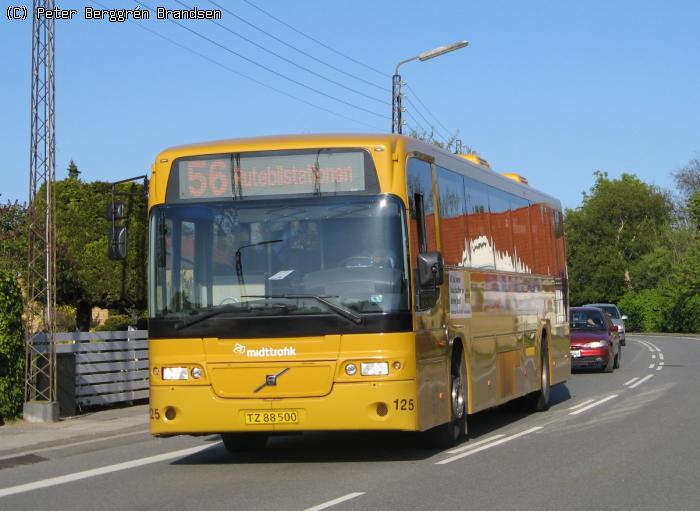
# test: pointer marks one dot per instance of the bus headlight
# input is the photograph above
(351, 369)
(374, 368)
(175, 373)
(196, 373)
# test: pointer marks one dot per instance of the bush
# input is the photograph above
(65, 318)
(685, 315)
(11, 347)
(648, 310)
(116, 322)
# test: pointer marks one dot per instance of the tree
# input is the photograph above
(688, 178)
(620, 223)
(73, 172)
(85, 276)
(448, 144)
(13, 237)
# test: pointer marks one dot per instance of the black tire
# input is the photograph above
(539, 401)
(618, 357)
(451, 433)
(244, 442)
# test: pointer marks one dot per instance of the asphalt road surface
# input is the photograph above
(621, 441)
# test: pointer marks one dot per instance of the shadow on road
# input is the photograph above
(372, 446)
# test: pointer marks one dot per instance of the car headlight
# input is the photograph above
(597, 344)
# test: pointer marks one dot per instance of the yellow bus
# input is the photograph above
(347, 282)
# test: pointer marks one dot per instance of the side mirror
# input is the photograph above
(116, 249)
(114, 211)
(624, 317)
(431, 272)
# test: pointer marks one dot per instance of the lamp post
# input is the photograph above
(396, 80)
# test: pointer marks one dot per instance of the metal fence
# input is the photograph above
(100, 368)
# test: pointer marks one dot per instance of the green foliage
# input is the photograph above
(13, 237)
(621, 222)
(86, 277)
(648, 310)
(116, 322)
(11, 347)
(73, 172)
(65, 318)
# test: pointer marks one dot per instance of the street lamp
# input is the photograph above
(396, 80)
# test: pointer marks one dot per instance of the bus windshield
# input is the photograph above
(286, 256)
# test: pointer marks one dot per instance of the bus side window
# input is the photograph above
(422, 224)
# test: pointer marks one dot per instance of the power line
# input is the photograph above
(426, 108)
(422, 129)
(432, 127)
(316, 40)
(306, 54)
(285, 59)
(447, 131)
(223, 47)
(243, 75)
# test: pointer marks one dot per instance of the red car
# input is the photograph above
(595, 341)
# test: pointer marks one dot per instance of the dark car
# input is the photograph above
(595, 341)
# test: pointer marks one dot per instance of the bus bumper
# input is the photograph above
(390, 405)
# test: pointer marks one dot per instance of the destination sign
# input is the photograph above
(250, 175)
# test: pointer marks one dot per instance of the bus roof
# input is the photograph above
(392, 143)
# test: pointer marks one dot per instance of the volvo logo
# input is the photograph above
(271, 380)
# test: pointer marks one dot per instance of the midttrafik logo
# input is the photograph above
(287, 351)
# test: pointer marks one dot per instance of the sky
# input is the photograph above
(553, 90)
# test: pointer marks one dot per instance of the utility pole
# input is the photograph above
(40, 403)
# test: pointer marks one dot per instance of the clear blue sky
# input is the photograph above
(551, 89)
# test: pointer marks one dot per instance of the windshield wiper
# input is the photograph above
(233, 308)
(338, 309)
(206, 315)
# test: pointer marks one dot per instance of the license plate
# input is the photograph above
(267, 417)
(575, 353)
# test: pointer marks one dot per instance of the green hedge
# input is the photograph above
(648, 310)
(11, 347)
(661, 310)
(115, 322)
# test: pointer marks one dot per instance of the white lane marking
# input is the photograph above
(487, 446)
(335, 501)
(85, 474)
(661, 366)
(645, 343)
(65, 446)
(651, 366)
(655, 347)
(641, 381)
(631, 381)
(475, 444)
(581, 404)
(600, 402)
(661, 356)
(653, 355)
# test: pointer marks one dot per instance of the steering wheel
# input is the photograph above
(232, 299)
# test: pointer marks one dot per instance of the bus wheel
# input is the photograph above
(539, 400)
(451, 433)
(244, 442)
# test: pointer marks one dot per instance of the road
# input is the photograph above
(620, 441)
